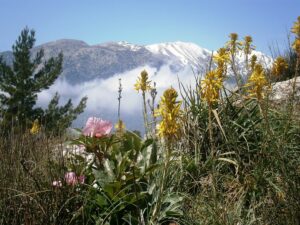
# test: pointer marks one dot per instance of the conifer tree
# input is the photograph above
(24, 79)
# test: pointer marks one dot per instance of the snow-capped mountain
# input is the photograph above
(83, 62)
(184, 53)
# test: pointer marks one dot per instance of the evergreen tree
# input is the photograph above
(24, 79)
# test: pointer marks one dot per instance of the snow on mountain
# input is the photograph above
(184, 52)
(189, 54)
(83, 62)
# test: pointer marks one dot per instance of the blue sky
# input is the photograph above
(206, 23)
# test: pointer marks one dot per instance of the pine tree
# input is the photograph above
(24, 79)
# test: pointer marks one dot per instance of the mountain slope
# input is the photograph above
(83, 62)
(186, 54)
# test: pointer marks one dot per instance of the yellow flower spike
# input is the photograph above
(221, 58)
(253, 61)
(279, 66)
(170, 112)
(248, 47)
(233, 36)
(211, 86)
(233, 44)
(120, 127)
(296, 27)
(143, 83)
(296, 46)
(296, 31)
(35, 127)
(257, 83)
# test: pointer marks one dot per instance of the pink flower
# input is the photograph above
(81, 179)
(71, 178)
(96, 127)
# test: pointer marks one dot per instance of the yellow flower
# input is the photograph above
(279, 66)
(296, 27)
(248, 47)
(296, 46)
(257, 82)
(221, 58)
(170, 112)
(253, 61)
(35, 127)
(211, 86)
(120, 127)
(296, 31)
(234, 45)
(143, 83)
(233, 36)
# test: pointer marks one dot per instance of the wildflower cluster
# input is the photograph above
(257, 82)
(221, 58)
(248, 47)
(170, 112)
(279, 66)
(296, 31)
(35, 127)
(211, 86)
(120, 127)
(143, 84)
(253, 61)
(233, 44)
(70, 179)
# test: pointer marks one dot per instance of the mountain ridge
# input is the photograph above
(84, 62)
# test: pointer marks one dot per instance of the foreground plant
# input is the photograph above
(122, 179)
(143, 85)
(170, 113)
(253, 175)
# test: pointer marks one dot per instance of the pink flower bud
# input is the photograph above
(81, 179)
(70, 178)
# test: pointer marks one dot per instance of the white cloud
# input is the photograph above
(103, 93)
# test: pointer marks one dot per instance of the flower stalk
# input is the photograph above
(143, 84)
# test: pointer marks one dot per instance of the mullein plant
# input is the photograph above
(143, 85)
(169, 130)
(279, 67)
(35, 127)
(253, 62)
(296, 47)
(296, 31)
(210, 92)
(258, 87)
(170, 112)
(257, 83)
(221, 58)
(212, 85)
(248, 47)
(234, 46)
